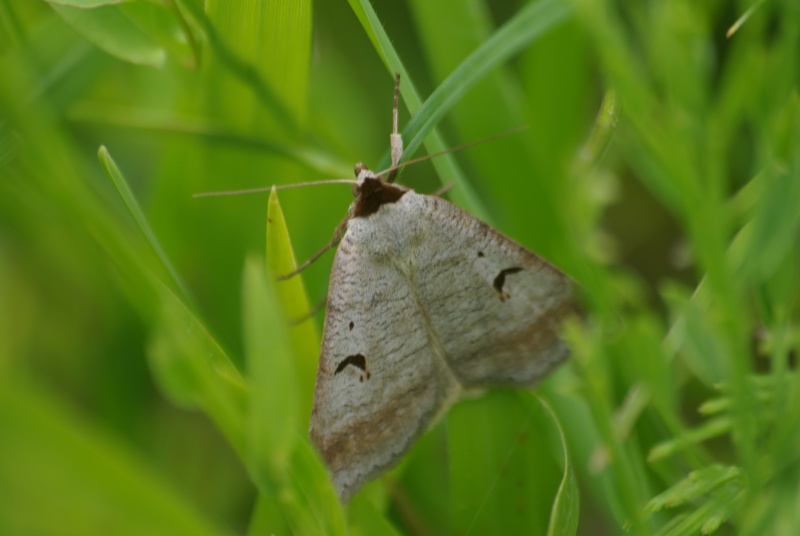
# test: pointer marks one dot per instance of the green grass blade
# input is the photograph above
(307, 501)
(530, 22)
(194, 371)
(447, 168)
(566, 506)
(291, 295)
(85, 4)
(239, 55)
(118, 179)
(110, 30)
(775, 221)
(273, 418)
(280, 456)
(312, 505)
(58, 473)
(196, 129)
(365, 520)
(523, 173)
(505, 477)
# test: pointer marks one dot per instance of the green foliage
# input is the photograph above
(152, 380)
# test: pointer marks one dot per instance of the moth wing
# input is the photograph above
(378, 387)
(495, 306)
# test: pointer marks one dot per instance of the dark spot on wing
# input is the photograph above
(351, 326)
(373, 194)
(356, 360)
(480, 254)
(500, 280)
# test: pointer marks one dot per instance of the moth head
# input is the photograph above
(365, 179)
(372, 191)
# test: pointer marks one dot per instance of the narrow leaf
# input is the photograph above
(110, 30)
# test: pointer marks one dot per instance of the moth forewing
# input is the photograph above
(424, 301)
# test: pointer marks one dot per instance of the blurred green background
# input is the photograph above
(149, 382)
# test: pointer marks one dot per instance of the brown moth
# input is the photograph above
(424, 302)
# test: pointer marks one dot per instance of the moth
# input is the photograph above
(424, 302)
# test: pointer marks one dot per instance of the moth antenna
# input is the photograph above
(741, 20)
(395, 139)
(393, 169)
(268, 188)
(337, 237)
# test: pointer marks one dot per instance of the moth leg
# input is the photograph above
(314, 310)
(337, 237)
(395, 139)
(443, 189)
